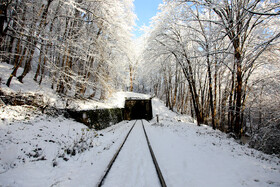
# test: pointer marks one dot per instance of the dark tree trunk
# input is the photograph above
(131, 77)
(14, 72)
(43, 70)
(211, 98)
(3, 18)
(237, 126)
(27, 67)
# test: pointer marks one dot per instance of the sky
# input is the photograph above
(145, 10)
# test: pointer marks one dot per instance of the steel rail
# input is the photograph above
(159, 174)
(161, 179)
(114, 158)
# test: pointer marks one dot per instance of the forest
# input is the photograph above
(77, 44)
(216, 60)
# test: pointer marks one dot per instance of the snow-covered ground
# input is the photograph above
(48, 151)
(198, 156)
(38, 150)
(41, 150)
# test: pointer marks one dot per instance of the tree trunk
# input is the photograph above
(14, 73)
(174, 100)
(237, 127)
(38, 66)
(231, 107)
(131, 77)
(43, 70)
(213, 112)
(3, 18)
(215, 94)
(189, 74)
(27, 67)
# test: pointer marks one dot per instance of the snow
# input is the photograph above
(167, 115)
(200, 156)
(187, 154)
(41, 150)
(134, 165)
(34, 153)
(117, 99)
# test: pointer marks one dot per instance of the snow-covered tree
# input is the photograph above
(218, 45)
(77, 43)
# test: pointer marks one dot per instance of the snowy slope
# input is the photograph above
(198, 156)
(40, 152)
(29, 86)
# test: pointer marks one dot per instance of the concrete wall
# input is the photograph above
(102, 118)
(99, 118)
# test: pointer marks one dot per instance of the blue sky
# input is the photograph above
(145, 9)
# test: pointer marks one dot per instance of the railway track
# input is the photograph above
(156, 165)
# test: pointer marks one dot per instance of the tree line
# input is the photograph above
(80, 46)
(206, 54)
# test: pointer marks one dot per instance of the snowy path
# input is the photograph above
(134, 165)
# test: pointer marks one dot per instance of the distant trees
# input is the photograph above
(76, 43)
(217, 45)
(262, 110)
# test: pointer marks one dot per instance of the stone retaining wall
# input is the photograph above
(99, 118)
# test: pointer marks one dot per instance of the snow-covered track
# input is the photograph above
(161, 179)
(114, 158)
(154, 160)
